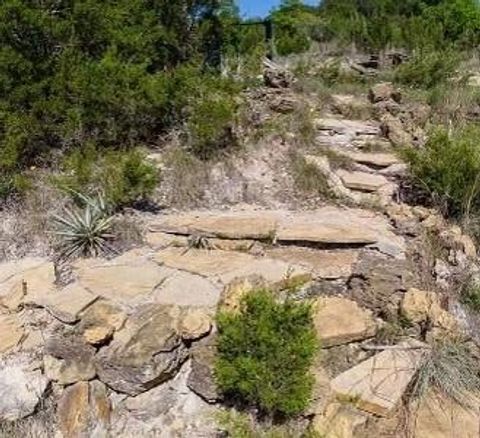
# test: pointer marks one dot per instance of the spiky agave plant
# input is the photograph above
(85, 230)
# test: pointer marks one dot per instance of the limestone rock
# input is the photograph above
(275, 76)
(22, 387)
(72, 360)
(100, 321)
(84, 410)
(378, 384)
(146, 352)
(224, 266)
(158, 240)
(393, 129)
(235, 225)
(422, 306)
(340, 321)
(324, 264)
(67, 304)
(35, 276)
(201, 379)
(123, 279)
(168, 410)
(338, 421)
(195, 323)
(384, 91)
(363, 181)
(349, 127)
(441, 417)
(235, 291)
(341, 227)
(11, 332)
(186, 289)
(374, 159)
(348, 104)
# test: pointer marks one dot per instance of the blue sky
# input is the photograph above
(256, 8)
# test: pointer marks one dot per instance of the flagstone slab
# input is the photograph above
(366, 182)
(378, 384)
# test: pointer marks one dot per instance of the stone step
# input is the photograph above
(377, 385)
(349, 127)
(372, 159)
(328, 226)
(362, 181)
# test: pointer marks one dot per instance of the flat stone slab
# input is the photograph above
(323, 264)
(366, 182)
(377, 385)
(354, 127)
(373, 159)
(225, 266)
(185, 289)
(122, 279)
(332, 226)
(11, 332)
(35, 275)
(340, 321)
(238, 225)
(67, 304)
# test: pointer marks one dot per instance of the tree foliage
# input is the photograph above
(112, 73)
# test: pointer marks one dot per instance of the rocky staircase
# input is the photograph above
(127, 345)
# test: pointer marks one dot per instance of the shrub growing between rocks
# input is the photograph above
(265, 353)
(448, 169)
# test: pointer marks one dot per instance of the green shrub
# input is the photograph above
(211, 125)
(123, 177)
(448, 169)
(470, 295)
(428, 69)
(265, 353)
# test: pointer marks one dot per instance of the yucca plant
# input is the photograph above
(85, 230)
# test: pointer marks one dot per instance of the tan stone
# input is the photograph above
(195, 323)
(441, 417)
(11, 332)
(376, 159)
(384, 91)
(341, 126)
(377, 385)
(234, 225)
(338, 421)
(363, 181)
(84, 410)
(420, 306)
(98, 335)
(159, 240)
(121, 280)
(186, 289)
(227, 265)
(341, 226)
(237, 289)
(100, 321)
(323, 264)
(341, 321)
(34, 276)
(67, 304)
